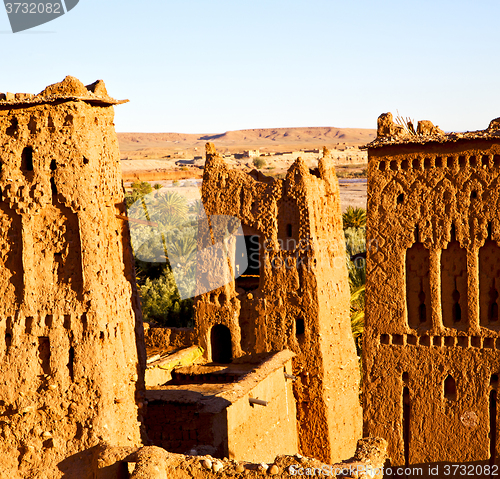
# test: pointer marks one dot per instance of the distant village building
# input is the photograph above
(431, 352)
(251, 153)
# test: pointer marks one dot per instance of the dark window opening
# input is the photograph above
(489, 343)
(27, 159)
(462, 161)
(381, 166)
(394, 165)
(494, 381)
(315, 172)
(406, 424)
(410, 339)
(494, 312)
(71, 363)
(456, 310)
(53, 165)
(44, 354)
(457, 313)
(405, 165)
(67, 321)
(427, 163)
(8, 340)
(453, 233)
(450, 388)
(405, 378)
(449, 341)
(250, 278)
(222, 348)
(473, 161)
(496, 160)
(85, 161)
(425, 340)
(438, 162)
(11, 130)
(397, 339)
(416, 163)
(473, 194)
(422, 312)
(28, 325)
(289, 230)
(48, 320)
(485, 160)
(449, 161)
(53, 189)
(400, 198)
(300, 327)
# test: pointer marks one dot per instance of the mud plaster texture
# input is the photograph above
(71, 342)
(299, 299)
(431, 352)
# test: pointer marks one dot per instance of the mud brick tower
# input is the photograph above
(294, 294)
(431, 352)
(69, 315)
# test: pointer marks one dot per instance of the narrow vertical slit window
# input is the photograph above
(406, 424)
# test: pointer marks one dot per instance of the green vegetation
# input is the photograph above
(356, 243)
(351, 174)
(259, 163)
(157, 186)
(177, 224)
(139, 190)
(354, 218)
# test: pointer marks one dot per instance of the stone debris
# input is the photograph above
(151, 462)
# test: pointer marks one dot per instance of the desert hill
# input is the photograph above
(160, 145)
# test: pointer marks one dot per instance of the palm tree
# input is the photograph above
(183, 250)
(171, 208)
(354, 217)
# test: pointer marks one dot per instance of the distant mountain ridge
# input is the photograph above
(268, 139)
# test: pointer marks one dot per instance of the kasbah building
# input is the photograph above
(268, 380)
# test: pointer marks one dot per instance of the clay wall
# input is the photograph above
(179, 428)
(299, 298)
(431, 351)
(259, 433)
(70, 321)
(221, 419)
(169, 338)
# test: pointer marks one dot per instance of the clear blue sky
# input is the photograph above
(202, 66)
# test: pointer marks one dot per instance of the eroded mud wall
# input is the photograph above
(69, 315)
(298, 296)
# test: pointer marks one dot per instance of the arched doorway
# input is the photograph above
(220, 340)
